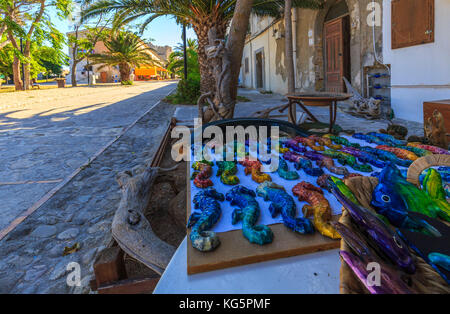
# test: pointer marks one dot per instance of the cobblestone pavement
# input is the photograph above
(45, 135)
(31, 258)
(260, 101)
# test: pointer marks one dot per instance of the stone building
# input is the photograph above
(352, 39)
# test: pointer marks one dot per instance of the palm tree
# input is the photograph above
(176, 59)
(125, 50)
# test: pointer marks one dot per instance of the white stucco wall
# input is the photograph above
(419, 73)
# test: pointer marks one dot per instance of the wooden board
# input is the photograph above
(235, 250)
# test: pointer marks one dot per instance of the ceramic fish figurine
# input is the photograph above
(254, 167)
(283, 171)
(378, 232)
(390, 282)
(302, 162)
(200, 222)
(435, 150)
(432, 184)
(283, 203)
(201, 179)
(327, 162)
(248, 212)
(227, 172)
(394, 195)
(318, 207)
(441, 260)
(400, 153)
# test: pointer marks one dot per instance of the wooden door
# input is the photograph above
(103, 77)
(337, 54)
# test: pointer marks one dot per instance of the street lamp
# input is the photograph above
(185, 53)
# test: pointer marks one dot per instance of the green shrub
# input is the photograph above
(127, 83)
(188, 91)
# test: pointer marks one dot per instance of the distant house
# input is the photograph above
(411, 39)
(111, 74)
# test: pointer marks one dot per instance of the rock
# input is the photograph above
(68, 234)
(177, 209)
(89, 256)
(44, 231)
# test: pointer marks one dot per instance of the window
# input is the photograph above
(412, 22)
(246, 66)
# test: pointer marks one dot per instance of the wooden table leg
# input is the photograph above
(292, 112)
(311, 116)
(333, 115)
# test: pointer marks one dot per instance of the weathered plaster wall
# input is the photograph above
(419, 73)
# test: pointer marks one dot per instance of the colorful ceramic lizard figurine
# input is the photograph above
(309, 142)
(318, 206)
(394, 193)
(294, 146)
(302, 162)
(387, 156)
(364, 157)
(227, 172)
(388, 139)
(324, 141)
(418, 151)
(400, 153)
(341, 141)
(435, 150)
(369, 138)
(432, 184)
(284, 203)
(201, 179)
(347, 159)
(207, 201)
(248, 212)
(254, 167)
(327, 162)
(283, 171)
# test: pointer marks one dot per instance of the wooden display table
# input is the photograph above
(315, 100)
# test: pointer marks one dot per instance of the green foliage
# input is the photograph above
(187, 92)
(51, 60)
(176, 59)
(125, 50)
(127, 82)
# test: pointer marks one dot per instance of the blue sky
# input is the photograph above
(164, 30)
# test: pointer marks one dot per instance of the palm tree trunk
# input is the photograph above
(289, 48)
(124, 70)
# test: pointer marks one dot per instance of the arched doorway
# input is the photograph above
(336, 44)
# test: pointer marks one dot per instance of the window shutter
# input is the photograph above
(412, 22)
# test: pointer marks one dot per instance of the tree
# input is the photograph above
(125, 50)
(176, 59)
(28, 20)
(51, 60)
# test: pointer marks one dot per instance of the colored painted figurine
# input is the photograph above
(248, 212)
(302, 162)
(254, 167)
(364, 157)
(292, 144)
(347, 159)
(283, 203)
(388, 139)
(435, 150)
(318, 207)
(309, 142)
(418, 151)
(377, 231)
(396, 196)
(369, 138)
(400, 153)
(327, 162)
(387, 156)
(432, 184)
(283, 171)
(227, 172)
(341, 141)
(201, 179)
(441, 260)
(324, 141)
(200, 222)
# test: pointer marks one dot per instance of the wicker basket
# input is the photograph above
(426, 279)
